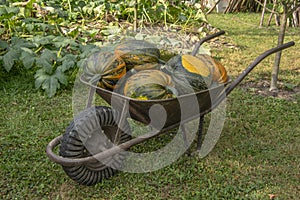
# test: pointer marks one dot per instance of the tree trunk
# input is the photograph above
(296, 17)
(275, 72)
(277, 20)
(272, 12)
(263, 14)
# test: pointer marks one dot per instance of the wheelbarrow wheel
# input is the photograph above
(84, 137)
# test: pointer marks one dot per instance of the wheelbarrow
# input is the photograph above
(95, 143)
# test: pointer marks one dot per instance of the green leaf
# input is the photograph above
(60, 76)
(81, 3)
(68, 62)
(9, 58)
(8, 12)
(87, 50)
(27, 57)
(3, 44)
(48, 55)
(61, 42)
(81, 63)
(46, 60)
(41, 40)
(49, 83)
(29, 27)
(2, 31)
(20, 42)
(44, 64)
(40, 76)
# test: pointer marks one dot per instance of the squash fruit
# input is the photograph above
(137, 52)
(149, 85)
(189, 73)
(195, 73)
(106, 68)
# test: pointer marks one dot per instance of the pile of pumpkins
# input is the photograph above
(135, 69)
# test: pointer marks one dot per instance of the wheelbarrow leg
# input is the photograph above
(200, 129)
(183, 131)
(90, 97)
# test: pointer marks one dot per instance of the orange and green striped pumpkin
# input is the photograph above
(105, 68)
(137, 52)
(149, 85)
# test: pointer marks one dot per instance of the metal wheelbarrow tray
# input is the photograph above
(84, 165)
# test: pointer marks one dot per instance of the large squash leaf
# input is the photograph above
(18, 50)
(49, 82)
(46, 60)
(10, 57)
(68, 62)
(27, 57)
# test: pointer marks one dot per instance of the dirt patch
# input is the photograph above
(290, 93)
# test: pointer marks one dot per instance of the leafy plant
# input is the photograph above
(17, 52)
(8, 19)
(174, 12)
(52, 57)
(54, 64)
(53, 38)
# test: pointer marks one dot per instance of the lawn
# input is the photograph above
(257, 156)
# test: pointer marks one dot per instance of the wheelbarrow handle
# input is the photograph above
(209, 37)
(233, 85)
(255, 63)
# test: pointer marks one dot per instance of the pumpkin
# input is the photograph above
(147, 66)
(218, 71)
(189, 73)
(137, 52)
(149, 85)
(106, 68)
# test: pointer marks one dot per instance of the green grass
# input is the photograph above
(257, 154)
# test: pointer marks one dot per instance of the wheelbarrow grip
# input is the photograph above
(255, 63)
(209, 37)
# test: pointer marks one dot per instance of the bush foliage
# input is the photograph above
(52, 38)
